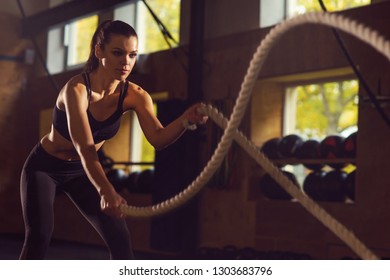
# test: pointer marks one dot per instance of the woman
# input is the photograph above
(87, 112)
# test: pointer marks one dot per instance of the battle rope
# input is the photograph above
(352, 27)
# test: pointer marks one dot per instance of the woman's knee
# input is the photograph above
(39, 236)
(36, 244)
(119, 242)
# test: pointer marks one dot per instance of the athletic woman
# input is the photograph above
(87, 112)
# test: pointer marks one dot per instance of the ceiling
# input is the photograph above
(41, 14)
(9, 7)
(30, 7)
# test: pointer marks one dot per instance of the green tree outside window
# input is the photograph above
(168, 11)
(304, 6)
(81, 33)
(326, 108)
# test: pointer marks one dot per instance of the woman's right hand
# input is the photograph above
(110, 203)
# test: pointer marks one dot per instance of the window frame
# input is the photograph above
(288, 110)
(284, 9)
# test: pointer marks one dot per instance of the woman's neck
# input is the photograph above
(102, 83)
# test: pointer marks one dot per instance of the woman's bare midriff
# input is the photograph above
(59, 147)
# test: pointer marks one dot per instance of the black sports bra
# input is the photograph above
(101, 130)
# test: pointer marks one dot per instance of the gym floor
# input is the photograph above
(10, 246)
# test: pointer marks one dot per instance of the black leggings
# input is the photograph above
(42, 177)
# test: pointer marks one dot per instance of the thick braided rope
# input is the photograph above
(336, 21)
(317, 211)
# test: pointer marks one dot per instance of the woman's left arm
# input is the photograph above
(158, 135)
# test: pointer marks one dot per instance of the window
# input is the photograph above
(77, 37)
(321, 109)
(141, 150)
(151, 38)
(69, 45)
(296, 7)
(273, 11)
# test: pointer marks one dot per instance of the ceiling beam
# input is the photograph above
(41, 22)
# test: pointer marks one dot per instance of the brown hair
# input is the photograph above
(102, 37)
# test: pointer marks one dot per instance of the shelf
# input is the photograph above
(295, 161)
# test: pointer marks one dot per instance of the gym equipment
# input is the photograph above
(331, 147)
(313, 185)
(117, 177)
(310, 149)
(145, 181)
(105, 160)
(131, 182)
(288, 145)
(272, 190)
(365, 34)
(334, 185)
(349, 145)
(350, 185)
(270, 148)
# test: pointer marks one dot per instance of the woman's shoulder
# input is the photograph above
(75, 85)
(134, 88)
(136, 95)
(76, 81)
(74, 88)
(137, 91)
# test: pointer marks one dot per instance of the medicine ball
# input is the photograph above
(132, 182)
(334, 185)
(331, 147)
(105, 161)
(145, 181)
(117, 178)
(272, 190)
(350, 185)
(270, 148)
(349, 145)
(288, 145)
(310, 149)
(313, 185)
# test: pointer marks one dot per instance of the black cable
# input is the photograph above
(40, 56)
(372, 97)
(163, 29)
(166, 34)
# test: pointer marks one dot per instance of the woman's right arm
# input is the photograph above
(75, 100)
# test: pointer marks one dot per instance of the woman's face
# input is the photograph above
(118, 56)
